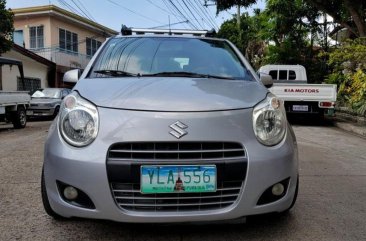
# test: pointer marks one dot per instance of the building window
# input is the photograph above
(30, 84)
(18, 37)
(36, 37)
(68, 41)
(92, 46)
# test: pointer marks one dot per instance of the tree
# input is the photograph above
(248, 37)
(349, 14)
(223, 5)
(6, 27)
(348, 63)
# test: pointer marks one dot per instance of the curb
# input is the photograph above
(351, 127)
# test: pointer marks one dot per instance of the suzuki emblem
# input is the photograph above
(178, 129)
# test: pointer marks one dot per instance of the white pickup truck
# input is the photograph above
(13, 104)
(290, 84)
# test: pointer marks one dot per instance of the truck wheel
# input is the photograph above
(19, 118)
(46, 203)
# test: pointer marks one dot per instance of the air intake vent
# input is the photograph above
(128, 197)
(176, 150)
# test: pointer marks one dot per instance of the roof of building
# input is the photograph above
(33, 56)
(57, 11)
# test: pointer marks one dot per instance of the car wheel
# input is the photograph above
(19, 118)
(46, 203)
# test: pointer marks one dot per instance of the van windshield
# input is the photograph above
(47, 93)
(167, 57)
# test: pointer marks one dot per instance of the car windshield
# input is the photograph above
(47, 93)
(169, 57)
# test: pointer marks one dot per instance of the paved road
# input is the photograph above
(331, 203)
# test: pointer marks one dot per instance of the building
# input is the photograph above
(39, 72)
(58, 35)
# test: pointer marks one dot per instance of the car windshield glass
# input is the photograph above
(160, 56)
(47, 93)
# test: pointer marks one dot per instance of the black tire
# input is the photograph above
(19, 118)
(46, 203)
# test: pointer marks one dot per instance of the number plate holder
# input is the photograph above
(303, 108)
(178, 179)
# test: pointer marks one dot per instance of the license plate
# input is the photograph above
(178, 179)
(29, 112)
(300, 108)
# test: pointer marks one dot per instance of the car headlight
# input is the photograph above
(269, 121)
(50, 104)
(78, 120)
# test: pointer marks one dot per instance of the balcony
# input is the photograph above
(63, 57)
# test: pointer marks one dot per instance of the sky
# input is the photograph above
(142, 13)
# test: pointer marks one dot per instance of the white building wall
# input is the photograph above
(32, 69)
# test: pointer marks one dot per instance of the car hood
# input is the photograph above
(171, 94)
(44, 100)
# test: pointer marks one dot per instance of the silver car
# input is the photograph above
(46, 102)
(167, 128)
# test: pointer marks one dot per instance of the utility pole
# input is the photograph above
(326, 33)
(238, 16)
(238, 24)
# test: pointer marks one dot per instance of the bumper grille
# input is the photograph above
(128, 197)
(124, 161)
(176, 150)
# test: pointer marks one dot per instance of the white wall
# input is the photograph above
(32, 69)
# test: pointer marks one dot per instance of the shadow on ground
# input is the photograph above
(309, 120)
(253, 227)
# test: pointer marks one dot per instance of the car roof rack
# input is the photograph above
(141, 31)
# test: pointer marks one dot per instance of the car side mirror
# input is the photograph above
(72, 76)
(266, 80)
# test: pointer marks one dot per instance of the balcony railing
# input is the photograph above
(64, 57)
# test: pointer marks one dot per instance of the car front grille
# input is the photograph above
(124, 161)
(176, 150)
(128, 197)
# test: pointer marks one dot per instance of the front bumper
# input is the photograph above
(85, 168)
(40, 111)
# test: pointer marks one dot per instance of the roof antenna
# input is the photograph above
(170, 31)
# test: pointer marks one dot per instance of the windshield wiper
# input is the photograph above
(115, 73)
(186, 74)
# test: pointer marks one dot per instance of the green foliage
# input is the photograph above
(349, 14)
(6, 27)
(348, 63)
(230, 31)
(223, 5)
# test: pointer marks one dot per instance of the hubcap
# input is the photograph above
(22, 118)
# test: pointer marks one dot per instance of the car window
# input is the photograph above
(273, 73)
(142, 55)
(291, 75)
(282, 75)
(64, 93)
